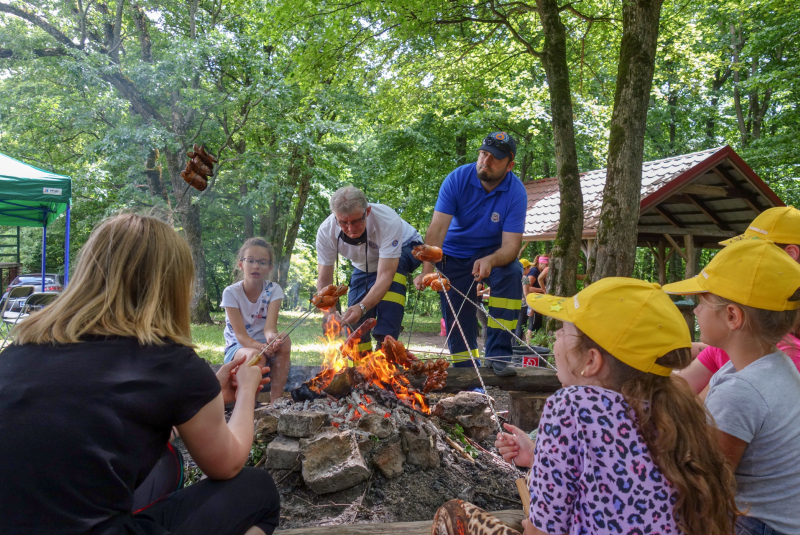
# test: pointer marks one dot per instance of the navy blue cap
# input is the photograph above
(500, 145)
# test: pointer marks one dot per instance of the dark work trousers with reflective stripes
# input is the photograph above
(504, 305)
(391, 308)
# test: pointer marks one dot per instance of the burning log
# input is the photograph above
(343, 383)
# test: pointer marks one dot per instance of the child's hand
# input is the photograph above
(517, 446)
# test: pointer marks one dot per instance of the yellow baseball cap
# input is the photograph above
(525, 263)
(755, 273)
(780, 224)
(631, 319)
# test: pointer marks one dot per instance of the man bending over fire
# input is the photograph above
(478, 223)
(378, 243)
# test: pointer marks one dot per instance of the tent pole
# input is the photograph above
(44, 252)
(66, 252)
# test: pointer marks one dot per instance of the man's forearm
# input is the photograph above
(378, 290)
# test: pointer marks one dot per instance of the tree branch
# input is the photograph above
(40, 23)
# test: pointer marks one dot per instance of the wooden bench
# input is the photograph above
(513, 518)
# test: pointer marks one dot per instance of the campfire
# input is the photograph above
(381, 375)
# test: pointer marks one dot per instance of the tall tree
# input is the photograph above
(614, 252)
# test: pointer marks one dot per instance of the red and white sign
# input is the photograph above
(530, 361)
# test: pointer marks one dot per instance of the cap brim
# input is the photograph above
(687, 287)
(550, 305)
(729, 241)
(494, 151)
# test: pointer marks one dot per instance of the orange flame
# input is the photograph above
(373, 365)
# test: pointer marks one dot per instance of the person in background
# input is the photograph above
(782, 226)
(93, 385)
(749, 300)
(623, 447)
(478, 222)
(252, 305)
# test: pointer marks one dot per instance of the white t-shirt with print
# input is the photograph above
(387, 233)
(253, 314)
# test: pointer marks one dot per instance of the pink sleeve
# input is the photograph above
(791, 346)
(713, 358)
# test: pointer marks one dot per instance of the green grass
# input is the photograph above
(307, 340)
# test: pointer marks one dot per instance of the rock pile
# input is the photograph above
(336, 444)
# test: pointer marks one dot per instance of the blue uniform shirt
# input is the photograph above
(480, 218)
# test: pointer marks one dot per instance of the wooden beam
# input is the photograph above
(522, 249)
(675, 246)
(665, 213)
(690, 257)
(714, 233)
(511, 517)
(746, 196)
(703, 189)
(708, 212)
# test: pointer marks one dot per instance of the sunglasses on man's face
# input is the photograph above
(502, 145)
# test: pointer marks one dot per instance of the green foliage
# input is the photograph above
(456, 432)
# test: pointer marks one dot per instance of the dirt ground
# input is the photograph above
(415, 495)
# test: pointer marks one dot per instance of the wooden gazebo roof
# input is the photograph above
(709, 195)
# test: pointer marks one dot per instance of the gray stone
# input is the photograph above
(389, 457)
(283, 453)
(301, 424)
(470, 410)
(420, 448)
(332, 462)
(266, 422)
(377, 425)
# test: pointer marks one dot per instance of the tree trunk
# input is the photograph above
(152, 171)
(189, 215)
(614, 253)
(304, 187)
(566, 251)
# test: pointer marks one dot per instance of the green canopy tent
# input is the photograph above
(31, 197)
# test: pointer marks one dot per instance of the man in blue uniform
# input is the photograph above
(478, 223)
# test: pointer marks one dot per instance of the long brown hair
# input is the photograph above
(133, 278)
(681, 442)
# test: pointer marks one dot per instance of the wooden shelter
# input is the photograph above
(688, 202)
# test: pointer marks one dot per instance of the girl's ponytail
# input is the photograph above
(681, 442)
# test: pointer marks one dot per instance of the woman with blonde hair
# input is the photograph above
(93, 385)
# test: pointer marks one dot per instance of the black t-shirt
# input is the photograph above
(81, 425)
(534, 276)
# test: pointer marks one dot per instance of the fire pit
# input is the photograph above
(384, 373)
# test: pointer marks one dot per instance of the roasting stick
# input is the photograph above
(459, 312)
(500, 324)
(286, 332)
(472, 358)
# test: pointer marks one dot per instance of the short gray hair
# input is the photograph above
(348, 200)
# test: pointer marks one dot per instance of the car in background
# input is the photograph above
(53, 282)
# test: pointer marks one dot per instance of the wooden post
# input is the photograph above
(525, 409)
(691, 258)
(661, 257)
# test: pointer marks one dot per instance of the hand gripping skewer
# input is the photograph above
(501, 325)
(286, 332)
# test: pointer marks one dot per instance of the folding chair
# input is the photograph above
(13, 295)
(36, 301)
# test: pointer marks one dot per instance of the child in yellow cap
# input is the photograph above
(623, 447)
(782, 226)
(749, 299)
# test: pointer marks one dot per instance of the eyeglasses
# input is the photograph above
(502, 145)
(251, 262)
(352, 223)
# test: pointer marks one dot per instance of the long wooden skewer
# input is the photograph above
(294, 325)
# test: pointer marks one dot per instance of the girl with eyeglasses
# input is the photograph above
(251, 307)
